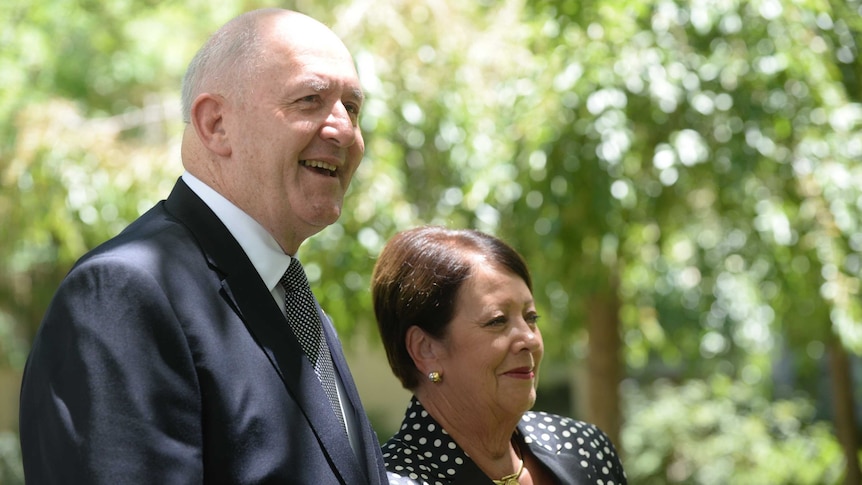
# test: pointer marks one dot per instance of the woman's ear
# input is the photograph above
(423, 349)
(207, 117)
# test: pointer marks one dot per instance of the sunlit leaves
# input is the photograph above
(718, 431)
(704, 152)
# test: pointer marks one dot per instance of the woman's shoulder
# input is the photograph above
(404, 479)
(421, 459)
(583, 444)
(422, 452)
(559, 433)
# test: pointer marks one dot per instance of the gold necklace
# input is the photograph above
(513, 478)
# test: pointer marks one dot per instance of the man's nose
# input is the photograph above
(339, 127)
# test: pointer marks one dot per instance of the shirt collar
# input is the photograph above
(267, 257)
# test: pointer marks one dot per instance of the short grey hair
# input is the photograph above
(230, 56)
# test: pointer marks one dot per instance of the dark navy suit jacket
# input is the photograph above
(163, 359)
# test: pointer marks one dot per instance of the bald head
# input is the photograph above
(272, 102)
(238, 51)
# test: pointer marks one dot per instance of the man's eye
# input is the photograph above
(352, 108)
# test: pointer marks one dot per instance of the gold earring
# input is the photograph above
(434, 376)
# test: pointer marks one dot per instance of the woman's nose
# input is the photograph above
(529, 337)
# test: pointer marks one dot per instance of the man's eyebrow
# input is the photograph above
(315, 83)
(358, 95)
(319, 85)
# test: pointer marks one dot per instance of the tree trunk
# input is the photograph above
(604, 362)
(843, 407)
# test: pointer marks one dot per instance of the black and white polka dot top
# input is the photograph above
(423, 453)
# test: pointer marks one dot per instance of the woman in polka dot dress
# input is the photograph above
(457, 318)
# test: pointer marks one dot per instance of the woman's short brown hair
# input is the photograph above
(416, 281)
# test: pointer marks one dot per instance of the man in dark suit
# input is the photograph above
(166, 356)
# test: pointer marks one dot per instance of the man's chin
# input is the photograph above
(324, 219)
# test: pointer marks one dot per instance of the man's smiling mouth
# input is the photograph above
(320, 167)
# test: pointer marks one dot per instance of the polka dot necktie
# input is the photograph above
(305, 323)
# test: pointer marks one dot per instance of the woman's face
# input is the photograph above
(492, 349)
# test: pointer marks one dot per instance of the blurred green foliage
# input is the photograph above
(703, 153)
(717, 431)
(11, 469)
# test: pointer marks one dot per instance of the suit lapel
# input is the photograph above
(353, 404)
(250, 299)
(271, 331)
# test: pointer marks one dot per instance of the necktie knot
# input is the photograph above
(294, 278)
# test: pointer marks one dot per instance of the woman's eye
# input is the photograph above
(497, 321)
(532, 318)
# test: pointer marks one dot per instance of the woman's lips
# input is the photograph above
(521, 373)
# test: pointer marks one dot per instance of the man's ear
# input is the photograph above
(423, 349)
(207, 117)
